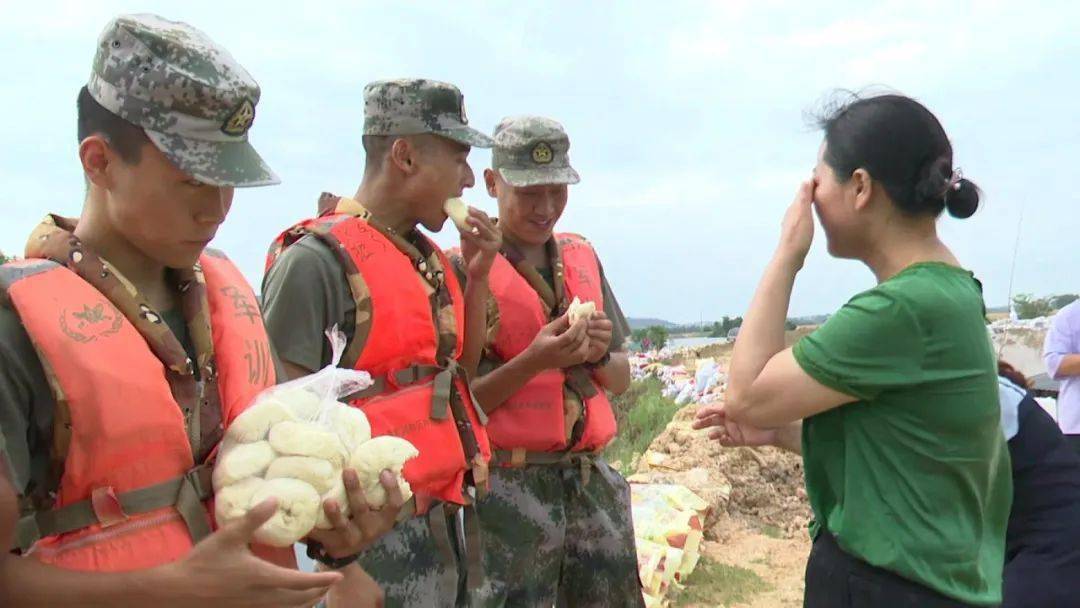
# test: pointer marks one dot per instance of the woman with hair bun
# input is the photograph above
(893, 402)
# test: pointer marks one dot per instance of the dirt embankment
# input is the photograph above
(759, 511)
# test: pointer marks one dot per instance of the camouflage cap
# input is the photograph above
(411, 106)
(195, 102)
(532, 150)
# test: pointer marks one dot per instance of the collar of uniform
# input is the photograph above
(407, 244)
(54, 239)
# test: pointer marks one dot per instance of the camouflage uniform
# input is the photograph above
(554, 534)
(196, 104)
(548, 536)
(309, 287)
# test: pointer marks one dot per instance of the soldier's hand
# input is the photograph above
(559, 345)
(479, 247)
(222, 571)
(350, 535)
(599, 332)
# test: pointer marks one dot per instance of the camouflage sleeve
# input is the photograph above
(26, 407)
(459, 268)
(305, 293)
(620, 330)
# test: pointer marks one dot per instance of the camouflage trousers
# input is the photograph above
(412, 568)
(552, 539)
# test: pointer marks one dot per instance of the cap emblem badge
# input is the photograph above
(240, 120)
(542, 153)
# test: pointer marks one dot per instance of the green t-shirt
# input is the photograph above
(915, 476)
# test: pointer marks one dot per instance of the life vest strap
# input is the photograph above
(186, 493)
(474, 548)
(521, 458)
(395, 380)
(442, 533)
(443, 383)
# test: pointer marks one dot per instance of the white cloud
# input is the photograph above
(685, 119)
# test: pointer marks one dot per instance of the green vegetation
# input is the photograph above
(1061, 301)
(657, 335)
(721, 328)
(1028, 306)
(715, 584)
(642, 413)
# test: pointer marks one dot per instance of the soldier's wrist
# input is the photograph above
(318, 553)
(529, 361)
(599, 363)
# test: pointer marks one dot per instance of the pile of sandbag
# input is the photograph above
(668, 524)
(698, 381)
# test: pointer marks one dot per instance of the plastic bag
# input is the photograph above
(293, 443)
(668, 522)
(703, 378)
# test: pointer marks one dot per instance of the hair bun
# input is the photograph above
(932, 181)
(962, 199)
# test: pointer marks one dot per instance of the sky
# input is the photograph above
(688, 121)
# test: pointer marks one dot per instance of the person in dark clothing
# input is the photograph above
(1042, 544)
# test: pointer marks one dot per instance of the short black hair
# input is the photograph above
(376, 147)
(125, 138)
(902, 145)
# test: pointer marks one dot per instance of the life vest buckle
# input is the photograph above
(391, 380)
(107, 507)
(200, 479)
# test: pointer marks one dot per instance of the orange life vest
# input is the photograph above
(415, 394)
(533, 418)
(129, 475)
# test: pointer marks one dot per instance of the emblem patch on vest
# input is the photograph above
(100, 320)
(240, 120)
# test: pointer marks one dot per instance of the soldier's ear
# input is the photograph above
(96, 155)
(489, 182)
(403, 154)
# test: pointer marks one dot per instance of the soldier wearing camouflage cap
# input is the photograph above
(362, 265)
(188, 95)
(128, 347)
(556, 524)
(415, 106)
(532, 151)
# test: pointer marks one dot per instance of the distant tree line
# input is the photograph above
(1029, 307)
(721, 328)
(653, 337)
